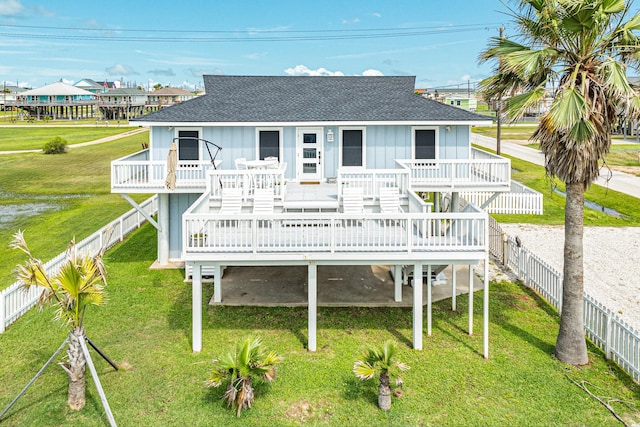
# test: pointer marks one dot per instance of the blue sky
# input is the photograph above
(174, 42)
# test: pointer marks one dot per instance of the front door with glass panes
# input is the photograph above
(309, 154)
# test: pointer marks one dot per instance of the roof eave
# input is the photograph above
(487, 122)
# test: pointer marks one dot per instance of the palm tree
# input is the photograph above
(78, 284)
(583, 47)
(381, 359)
(250, 359)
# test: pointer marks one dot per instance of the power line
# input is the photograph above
(242, 36)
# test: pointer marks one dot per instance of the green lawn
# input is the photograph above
(73, 189)
(146, 328)
(35, 137)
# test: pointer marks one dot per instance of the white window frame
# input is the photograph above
(413, 140)
(280, 141)
(185, 163)
(364, 147)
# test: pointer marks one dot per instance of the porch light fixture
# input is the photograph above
(448, 128)
(329, 135)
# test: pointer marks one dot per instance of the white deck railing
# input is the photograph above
(246, 181)
(371, 180)
(483, 170)
(619, 341)
(138, 172)
(520, 200)
(332, 233)
(14, 301)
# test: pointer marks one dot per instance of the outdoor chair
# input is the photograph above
(263, 204)
(231, 201)
(241, 163)
(390, 202)
(352, 202)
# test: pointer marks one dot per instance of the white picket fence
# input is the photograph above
(619, 341)
(15, 301)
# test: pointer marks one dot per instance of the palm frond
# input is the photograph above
(363, 370)
(517, 105)
(568, 108)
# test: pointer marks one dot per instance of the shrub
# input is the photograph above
(55, 146)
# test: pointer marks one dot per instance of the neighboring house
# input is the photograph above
(123, 103)
(10, 95)
(335, 134)
(463, 102)
(91, 86)
(56, 100)
(167, 96)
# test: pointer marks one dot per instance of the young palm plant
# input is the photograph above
(78, 284)
(381, 359)
(250, 359)
(584, 49)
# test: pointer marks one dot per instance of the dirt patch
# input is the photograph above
(302, 411)
(633, 170)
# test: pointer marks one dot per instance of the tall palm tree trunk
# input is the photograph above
(384, 392)
(571, 346)
(75, 368)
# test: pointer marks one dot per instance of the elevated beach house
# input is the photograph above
(311, 171)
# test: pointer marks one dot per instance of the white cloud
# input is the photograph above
(160, 72)
(377, 15)
(302, 70)
(10, 7)
(350, 21)
(372, 72)
(121, 70)
(67, 81)
(465, 77)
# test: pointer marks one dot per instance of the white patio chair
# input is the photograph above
(241, 163)
(352, 203)
(263, 201)
(390, 202)
(352, 200)
(274, 165)
(231, 201)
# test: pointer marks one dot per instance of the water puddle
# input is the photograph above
(593, 205)
(35, 205)
(514, 170)
(9, 213)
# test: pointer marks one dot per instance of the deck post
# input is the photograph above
(429, 300)
(417, 306)
(397, 282)
(486, 308)
(163, 231)
(470, 299)
(313, 305)
(196, 302)
(217, 283)
(453, 287)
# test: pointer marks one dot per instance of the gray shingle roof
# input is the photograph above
(309, 99)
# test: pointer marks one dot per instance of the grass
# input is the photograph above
(35, 137)
(145, 328)
(73, 189)
(533, 176)
(519, 132)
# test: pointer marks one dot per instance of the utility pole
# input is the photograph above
(499, 106)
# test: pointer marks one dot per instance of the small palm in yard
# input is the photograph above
(78, 284)
(381, 359)
(250, 359)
